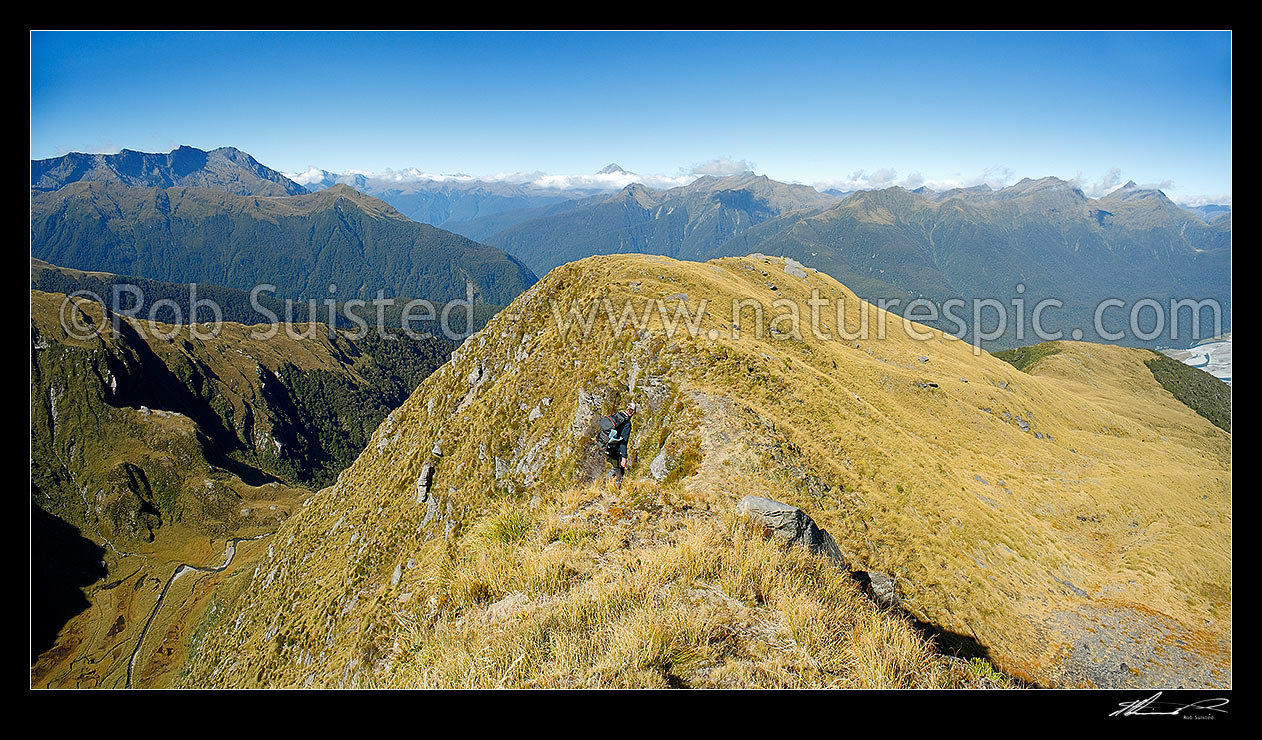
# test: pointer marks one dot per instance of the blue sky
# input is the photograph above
(841, 109)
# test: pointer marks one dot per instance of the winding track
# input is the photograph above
(230, 552)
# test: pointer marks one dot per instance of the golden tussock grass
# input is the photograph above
(614, 599)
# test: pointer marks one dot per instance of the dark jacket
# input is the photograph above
(622, 428)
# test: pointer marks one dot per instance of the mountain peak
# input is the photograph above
(360, 200)
(1043, 186)
(612, 169)
(1131, 192)
(637, 192)
(226, 169)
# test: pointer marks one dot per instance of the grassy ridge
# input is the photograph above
(1195, 388)
(1200, 391)
(1006, 506)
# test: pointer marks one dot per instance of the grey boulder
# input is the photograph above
(793, 526)
(790, 525)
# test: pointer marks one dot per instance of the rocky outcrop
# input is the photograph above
(423, 483)
(790, 525)
(658, 468)
(795, 527)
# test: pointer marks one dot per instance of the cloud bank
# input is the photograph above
(721, 167)
(887, 177)
(609, 180)
(613, 177)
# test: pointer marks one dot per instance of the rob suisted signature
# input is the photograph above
(1151, 706)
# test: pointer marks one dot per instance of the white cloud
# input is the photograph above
(410, 174)
(586, 181)
(875, 180)
(1193, 201)
(311, 176)
(1106, 185)
(609, 181)
(1114, 180)
(102, 146)
(721, 167)
(993, 177)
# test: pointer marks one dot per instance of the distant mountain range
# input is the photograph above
(463, 204)
(1045, 235)
(227, 169)
(692, 222)
(448, 203)
(479, 207)
(205, 229)
(1211, 213)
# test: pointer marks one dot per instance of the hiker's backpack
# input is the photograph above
(607, 438)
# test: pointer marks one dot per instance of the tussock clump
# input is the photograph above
(681, 600)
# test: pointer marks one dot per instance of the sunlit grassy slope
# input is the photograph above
(1074, 522)
(152, 447)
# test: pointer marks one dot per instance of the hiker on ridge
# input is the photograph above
(614, 438)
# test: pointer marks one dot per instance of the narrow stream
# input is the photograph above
(230, 552)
